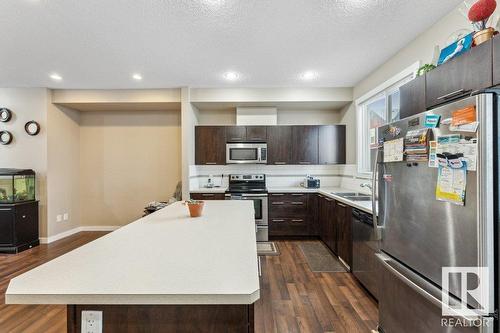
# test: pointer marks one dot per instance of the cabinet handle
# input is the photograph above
(257, 139)
(236, 138)
(297, 220)
(278, 203)
(278, 220)
(297, 195)
(24, 216)
(328, 199)
(297, 203)
(277, 195)
(304, 162)
(280, 163)
(341, 205)
(5, 209)
(211, 163)
(452, 94)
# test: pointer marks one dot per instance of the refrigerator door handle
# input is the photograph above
(384, 260)
(376, 228)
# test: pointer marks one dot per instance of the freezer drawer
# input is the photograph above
(411, 304)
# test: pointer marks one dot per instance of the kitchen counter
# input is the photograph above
(164, 258)
(326, 191)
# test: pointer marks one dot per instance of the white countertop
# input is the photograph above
(164, 258)
(326, 191)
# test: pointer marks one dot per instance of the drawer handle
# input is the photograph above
(280, 163)
(5, 209)
(277, 195)
(274, 220)
(211, 163)
(278, 203)
(328, 199)
(453, 94)
(297, 203)
(24, 216)
(236, 138)
(297, 220)
(341, 205)
(297, 195)
(304, 162)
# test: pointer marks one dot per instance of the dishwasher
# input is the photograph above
(365, 265)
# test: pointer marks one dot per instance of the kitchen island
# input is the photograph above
(166, 272)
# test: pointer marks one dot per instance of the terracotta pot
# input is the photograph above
(196, 209)
(483, 36)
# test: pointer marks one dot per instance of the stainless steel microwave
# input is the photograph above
(246, 153)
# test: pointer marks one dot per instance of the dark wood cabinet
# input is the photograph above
(236, 133)
(344, 232)
(332, 144)
(496, 61)
(304, 145)
(208, 196)
(459, 76)
(256, 133)
(412, 97)
(326, 221)
(18, 226)
(289, 214)
(210, 145)
(279, 140)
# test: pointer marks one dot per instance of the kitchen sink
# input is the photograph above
(346, 194)
(353, 196)
(358, 198)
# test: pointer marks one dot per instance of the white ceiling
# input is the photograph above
(172, 43)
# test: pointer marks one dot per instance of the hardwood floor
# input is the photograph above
(293, 299)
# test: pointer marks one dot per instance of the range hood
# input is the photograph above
(258, 116)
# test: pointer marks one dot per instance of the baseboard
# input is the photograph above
(50, 239)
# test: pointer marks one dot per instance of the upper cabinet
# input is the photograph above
(210, 145)
(459, 76)
(496, 61)
(332, 144)
(305, 144)
(279, 139)
(246, 133)
(412, 97)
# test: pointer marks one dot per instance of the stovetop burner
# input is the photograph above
(247, 184)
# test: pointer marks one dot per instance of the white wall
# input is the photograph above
(189, 119)
(27, 152)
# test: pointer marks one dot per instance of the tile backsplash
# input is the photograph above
(344, 176)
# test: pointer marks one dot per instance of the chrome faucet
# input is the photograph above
(367, 185)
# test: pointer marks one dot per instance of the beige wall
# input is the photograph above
(27, 152)
(63, 168)
(127, 159)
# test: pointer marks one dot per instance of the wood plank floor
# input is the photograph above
(293, 299)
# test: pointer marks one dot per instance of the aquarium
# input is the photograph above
(16, 185)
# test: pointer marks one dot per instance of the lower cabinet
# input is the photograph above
(289, 214)
(18, 226)
(344, 232)
(328, 230)
(208, 196)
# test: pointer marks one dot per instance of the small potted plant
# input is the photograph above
(195, 207)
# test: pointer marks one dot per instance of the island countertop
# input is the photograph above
(164, 258)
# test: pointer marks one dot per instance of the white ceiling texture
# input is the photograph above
(172, 43)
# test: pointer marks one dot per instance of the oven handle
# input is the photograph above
(245, 196)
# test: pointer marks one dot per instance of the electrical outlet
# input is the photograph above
(91, 321)
(59, 218)
(66, 216)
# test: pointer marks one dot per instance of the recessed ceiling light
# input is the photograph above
(231, 76)
(137, 77)
(309, 75)
(55, 77)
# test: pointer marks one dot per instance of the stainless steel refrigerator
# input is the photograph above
(421, 234)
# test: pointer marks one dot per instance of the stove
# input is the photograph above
(252, 187)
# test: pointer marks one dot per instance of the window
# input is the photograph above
(377, 108)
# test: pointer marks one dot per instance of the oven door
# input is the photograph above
(259, 204)
(244, 153)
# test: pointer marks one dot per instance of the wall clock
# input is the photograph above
(5, 137)
(5, 115)
(32, 128)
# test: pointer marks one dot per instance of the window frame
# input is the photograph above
(362, 118)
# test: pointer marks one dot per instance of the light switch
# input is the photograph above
(59, 218)
(66, 216)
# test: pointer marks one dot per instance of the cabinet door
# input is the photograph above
(210, 145)
(469, 72)
(305, 144)
(236, 133)
(256, 133)
(412, 97)
(208, 196)
(6, 226)
(330, 225)
(496, 61)
(26, 223)
(332, 144)
(313, 214)
(278, 144)
(344, 232)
